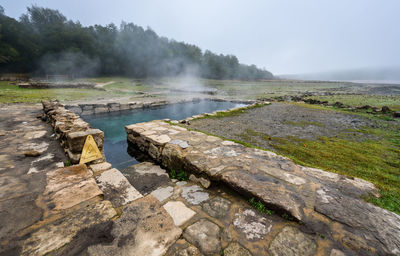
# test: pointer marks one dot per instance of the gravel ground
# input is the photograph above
(283, 120)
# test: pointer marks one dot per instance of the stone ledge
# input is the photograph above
(310, 195)
(95, 108)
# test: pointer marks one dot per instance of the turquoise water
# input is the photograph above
(113, 125)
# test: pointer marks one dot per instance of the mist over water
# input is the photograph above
(113, 125)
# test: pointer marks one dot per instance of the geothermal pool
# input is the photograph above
(113, 124)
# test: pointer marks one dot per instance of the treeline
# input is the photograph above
(44, 41)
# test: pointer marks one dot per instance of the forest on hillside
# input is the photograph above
(43, 41)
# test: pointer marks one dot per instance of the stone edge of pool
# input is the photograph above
(101, 108)
(326, 203)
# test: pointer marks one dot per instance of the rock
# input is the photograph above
(117, 188)
(235, 249)
(163, 193)
(386, 109)
(363, 218)
(99, 168)
(183, 248)
(194, 194)
(65, 177)
(183, 144)
(396, 114)
(2, 133)
(335, 252)
(217, 207)
(205, 183)
(31, 153)
(290, 241)
(144, 229)
(76, 140)
(55, 235)
(80, 193)
(205, 235)
(146, 177)
(34, 135)
(269, 189)
(252, 225)
(179, 212)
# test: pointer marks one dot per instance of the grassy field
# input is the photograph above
(133, 88)
(377, 161)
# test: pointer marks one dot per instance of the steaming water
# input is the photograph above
(113, 125)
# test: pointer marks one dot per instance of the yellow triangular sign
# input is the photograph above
(90, 151)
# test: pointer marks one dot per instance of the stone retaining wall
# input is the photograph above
(72, 131)
(90, 109)
(326, 203)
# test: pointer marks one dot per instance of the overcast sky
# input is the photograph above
(285, 37)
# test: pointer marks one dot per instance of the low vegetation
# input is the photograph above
(259, 206)
(180, 175)
(371, 153)
(391, 101)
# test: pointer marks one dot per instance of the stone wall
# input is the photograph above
(90, 109)
(71, 130)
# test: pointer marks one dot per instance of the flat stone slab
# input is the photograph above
(146, 177)
(217, 207)
(163, 194)
(99, 168)
(179, 212)
(326, 203)
(205, 235)
(235, 249)
(86, 190)
(117, 188)
(62, 232)
(252, 224)
(144, 228)
(194, 194)
(290, 241)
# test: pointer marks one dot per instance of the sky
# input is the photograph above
(282, 36)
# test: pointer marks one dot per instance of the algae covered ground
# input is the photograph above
(352, 144)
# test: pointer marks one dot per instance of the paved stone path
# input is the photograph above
(329, 205)
(46, 208)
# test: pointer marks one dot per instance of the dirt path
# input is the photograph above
(101, 85)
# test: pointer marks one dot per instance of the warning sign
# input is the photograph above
(90, 151)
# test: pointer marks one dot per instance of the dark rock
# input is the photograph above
(31, 153)
(386, 109)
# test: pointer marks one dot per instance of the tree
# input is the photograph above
(45, 41)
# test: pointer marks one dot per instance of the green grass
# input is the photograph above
(180, 175)
(235, 112)
(391, 101)
(375, 160)
(259, 206)
(13, 94)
